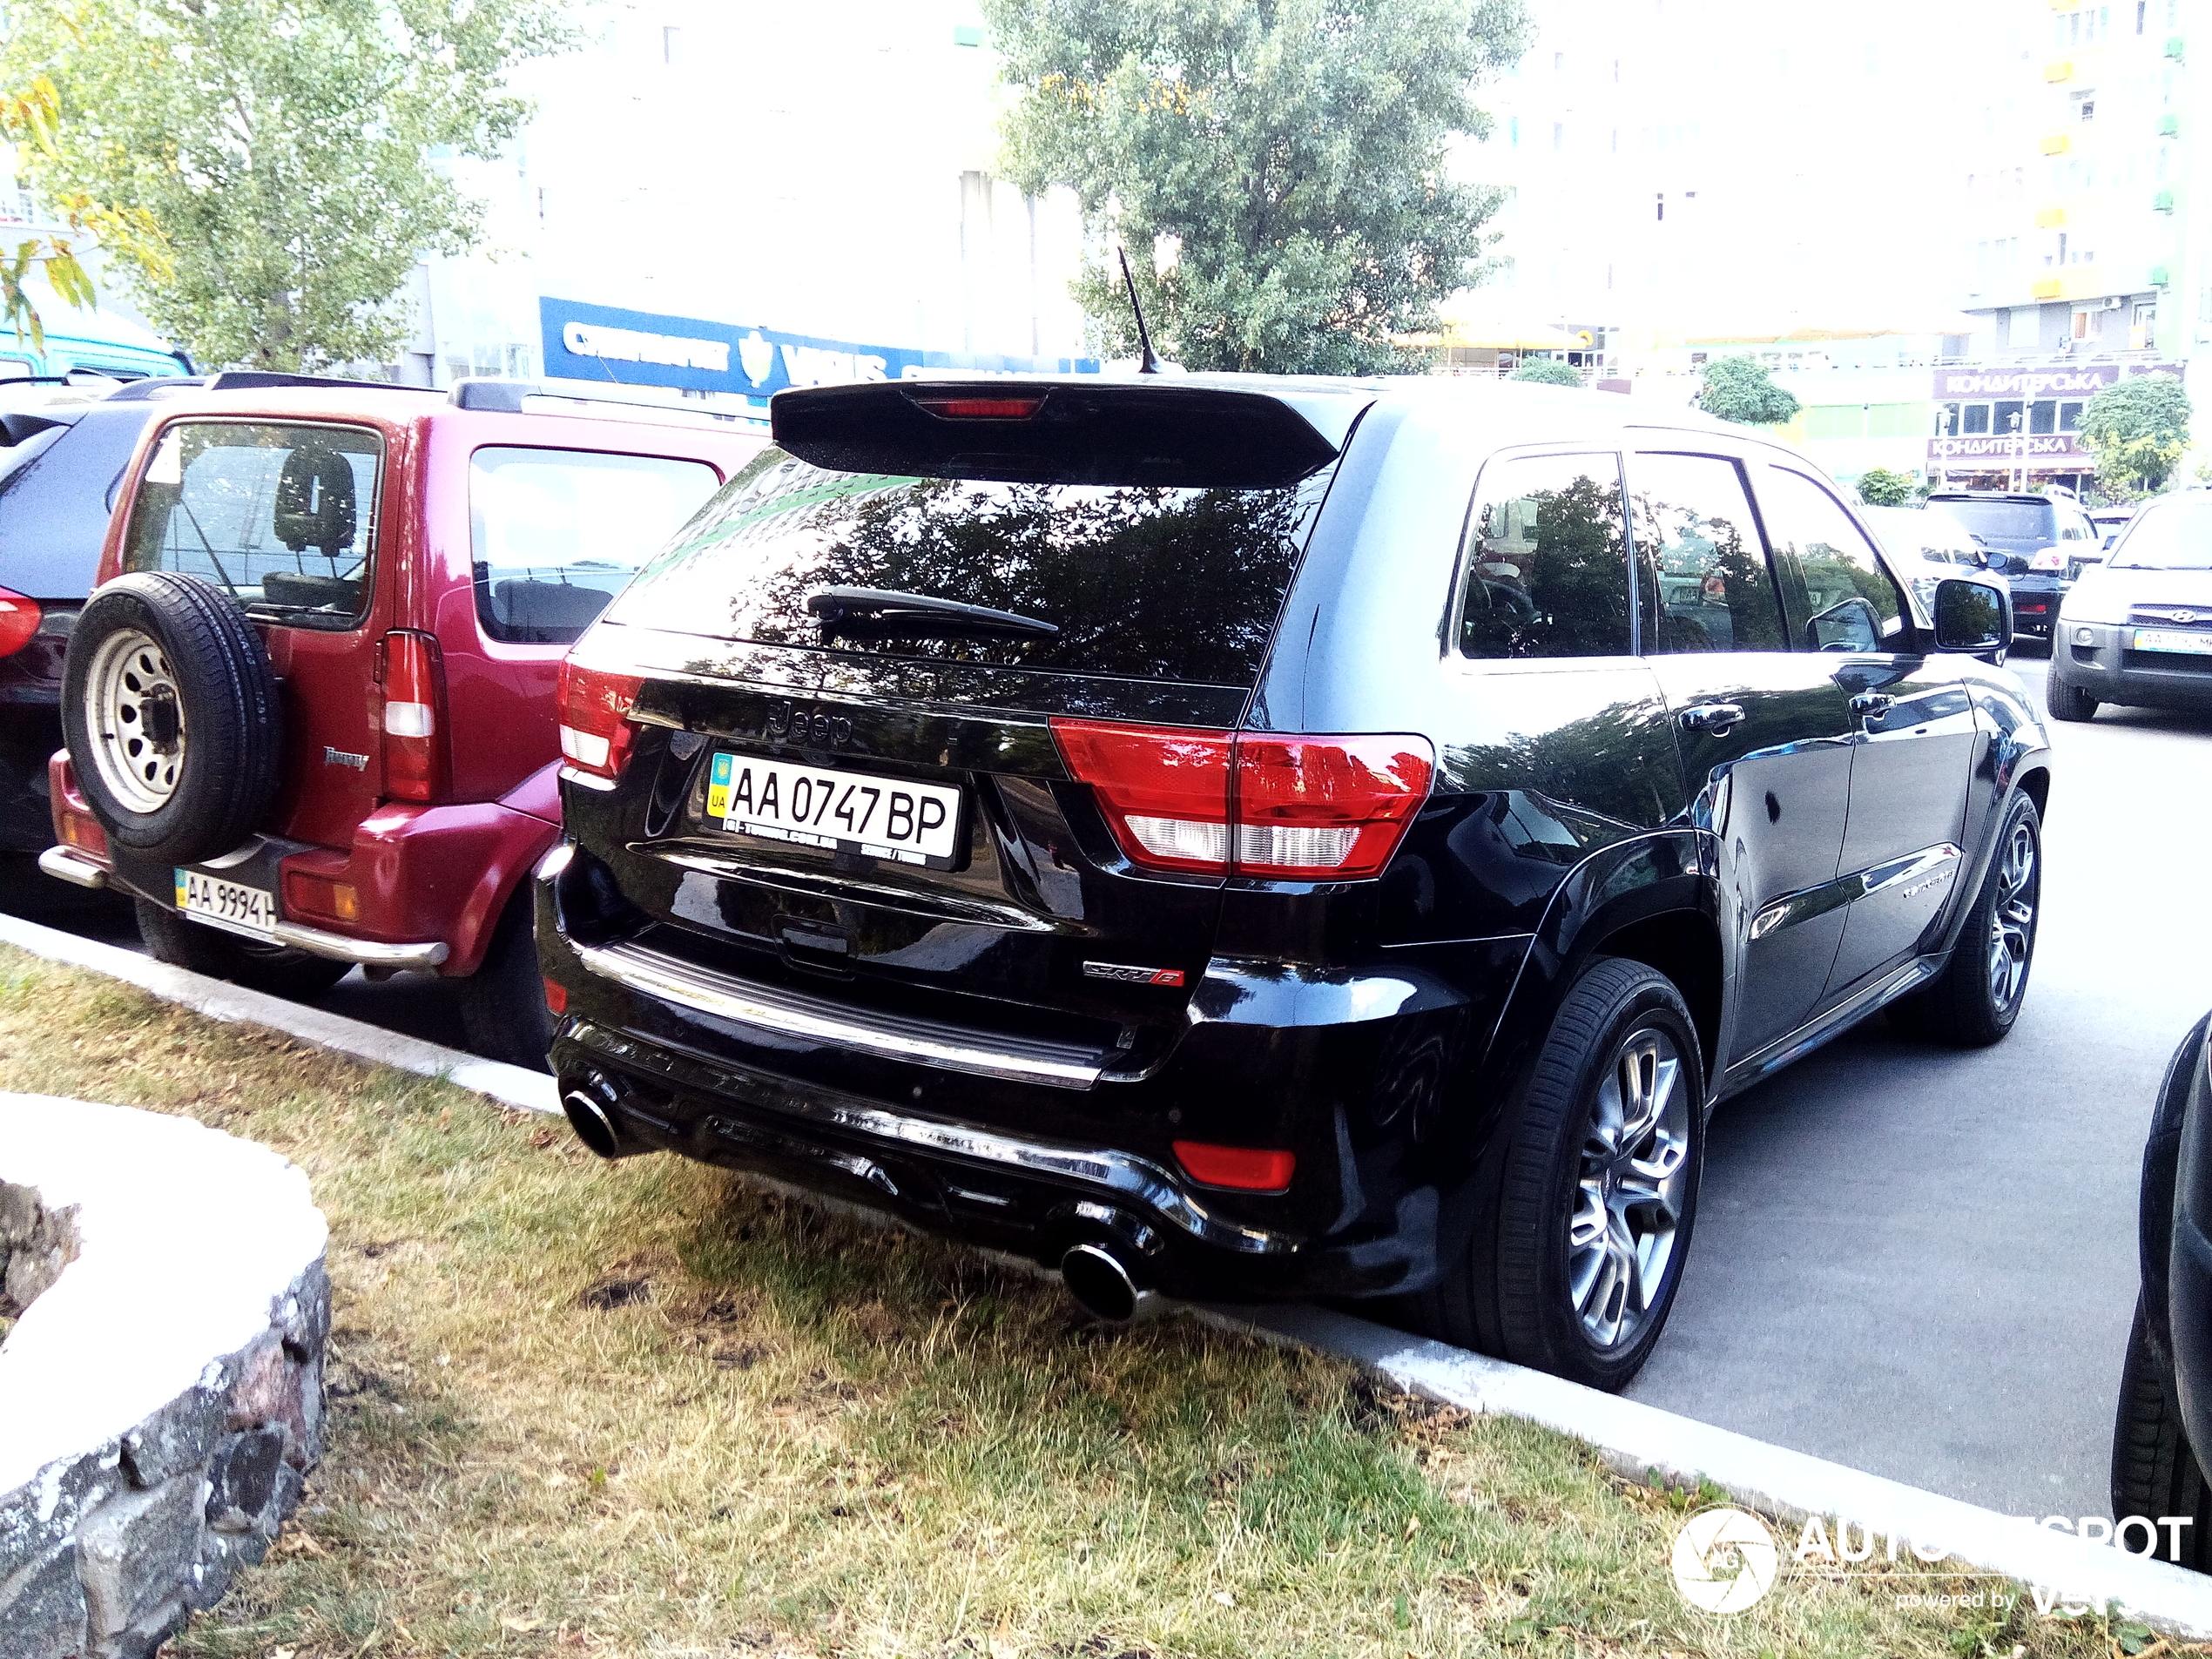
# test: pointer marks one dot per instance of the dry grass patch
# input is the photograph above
(645, 1409)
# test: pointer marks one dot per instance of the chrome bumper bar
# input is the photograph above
(66, 864)
(779, 1016)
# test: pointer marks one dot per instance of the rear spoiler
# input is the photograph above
(1055, 432)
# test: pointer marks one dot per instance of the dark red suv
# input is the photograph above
(310, 709)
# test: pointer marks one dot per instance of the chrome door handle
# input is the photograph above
(1871, 703)
(1714, 718)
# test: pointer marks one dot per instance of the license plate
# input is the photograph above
(231, 903)
(884, 818)
(2191, 643)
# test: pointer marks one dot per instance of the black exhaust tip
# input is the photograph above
(588, 1101)
(1096, 1278)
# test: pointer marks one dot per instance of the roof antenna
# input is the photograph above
(1152, 363)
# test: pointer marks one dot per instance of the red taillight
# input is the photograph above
(1295, 808)
(414, 703)
(596, 732)
(19, 620)
(1251, 1169)
(557, 997)
(981, 409)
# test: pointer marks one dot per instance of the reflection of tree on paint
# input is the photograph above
(1178, 584)
(1549, 566)
(1702, 553)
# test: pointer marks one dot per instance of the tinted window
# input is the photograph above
(2009, 521)
(1146, 582)
(1838, 596)
(2175, 535)
(1702, 572)
(1547, 560)
(54, 500)
(554, 534)
(283, 516)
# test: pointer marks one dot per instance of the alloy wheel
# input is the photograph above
(1629, 1199)
(138, 720)
(2012, 921)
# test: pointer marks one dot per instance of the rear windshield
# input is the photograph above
(283, 516)
(1146, 582)
(2010, 521)
(554, 534)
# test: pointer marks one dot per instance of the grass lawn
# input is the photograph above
(645, 1409)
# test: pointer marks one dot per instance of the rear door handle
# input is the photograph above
(1714, 718)
(1871, 703)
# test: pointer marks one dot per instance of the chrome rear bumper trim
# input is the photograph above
(65, 864)
(368, 953)
(780, 1015)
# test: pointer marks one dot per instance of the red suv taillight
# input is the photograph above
(1294, 808)
(414, 701)
(596, 732)
(19, 620)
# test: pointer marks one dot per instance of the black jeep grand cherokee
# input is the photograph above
(1242, 838)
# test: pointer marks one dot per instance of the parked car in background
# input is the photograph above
(310, 709)
(67, 440)
(2034, 541)
(2137, 628)
(2165, 1411)
(1249, 838)
(1924, 547)
(2110, 521)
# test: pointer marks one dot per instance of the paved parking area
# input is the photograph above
(1923, 1263)
(1917, 1261)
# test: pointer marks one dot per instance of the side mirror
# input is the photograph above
(1974, 617)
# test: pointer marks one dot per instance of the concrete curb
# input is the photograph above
(1633, 1439)
(1637, 1439)
(531, 1091)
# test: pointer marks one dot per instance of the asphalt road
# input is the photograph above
(1922, 1263)
(1915, 1261)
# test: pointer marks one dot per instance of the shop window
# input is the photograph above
(2043, 416)
(1977, 422)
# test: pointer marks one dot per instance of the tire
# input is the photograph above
(1553, 1280)
(171, 714)
(279, 968)
(2155, 1472)
(503, 1003)
(2067, 702)
(1975, 1000)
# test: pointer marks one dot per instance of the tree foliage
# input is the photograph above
(1879, 487)
(1276, 167)
(30, 120)
(281, 147)
(2138, 428)
(1739, 389)
(1548, 371)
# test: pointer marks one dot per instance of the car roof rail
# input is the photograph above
(511, 397)
(257, 380)
(153, 386)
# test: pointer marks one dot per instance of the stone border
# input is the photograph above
(162, 1396)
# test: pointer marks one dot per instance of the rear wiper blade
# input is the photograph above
(877, 613)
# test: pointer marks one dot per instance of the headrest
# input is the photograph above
(314, 501)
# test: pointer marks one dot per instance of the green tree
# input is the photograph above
(1277, 168)
(2138, 428)
(281, 148)
(1738, 389)
(1548, 371)
(1879, 487)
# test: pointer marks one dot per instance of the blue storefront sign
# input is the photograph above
(607, 343)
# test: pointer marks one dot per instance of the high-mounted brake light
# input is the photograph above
(1281, 807)
(981, 409)
(414, 700)
(19, 620)
(596, 731)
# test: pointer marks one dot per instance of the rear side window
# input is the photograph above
(284, 516)
(1702, 568)
(1839, 597)
(554, 534)
(1144, 582)
(1547, 560)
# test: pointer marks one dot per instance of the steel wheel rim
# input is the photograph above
(2012, 921)
(1627, 1206)
(138, 720)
